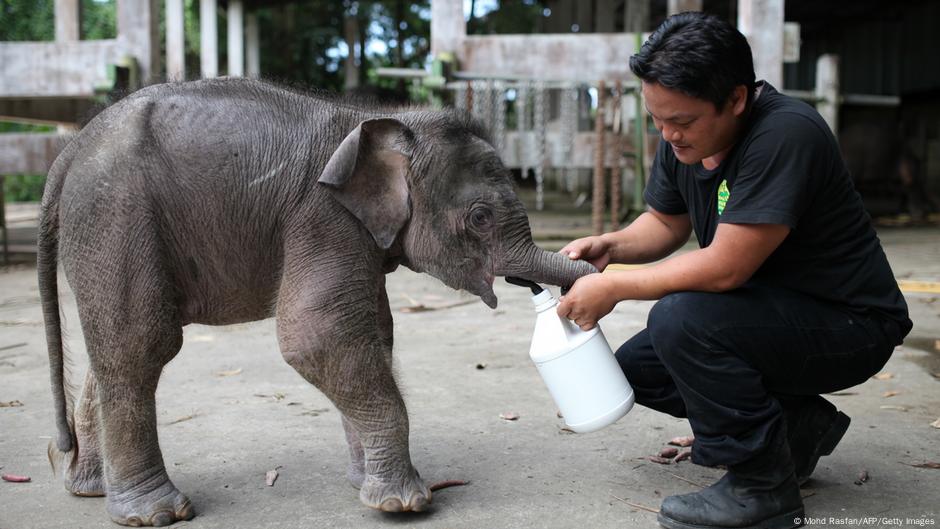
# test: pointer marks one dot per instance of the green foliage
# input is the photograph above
(34, 20)
(27, 20)
(510, 17)
(23, 188)
(99, 19)
(9, 126)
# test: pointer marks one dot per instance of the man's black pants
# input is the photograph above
(727, 360)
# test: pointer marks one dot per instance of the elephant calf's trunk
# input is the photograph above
(546, 267)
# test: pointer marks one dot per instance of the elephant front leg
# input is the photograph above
(351, 369)
(356, 470)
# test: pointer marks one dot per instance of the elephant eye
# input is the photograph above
(481, 218)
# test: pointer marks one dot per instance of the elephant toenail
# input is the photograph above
(185, 512)
(392, 505)
(162, 518)
(134, 521)
(420, 504)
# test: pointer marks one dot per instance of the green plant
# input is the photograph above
(23, 188)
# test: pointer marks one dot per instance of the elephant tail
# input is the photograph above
(47, 268)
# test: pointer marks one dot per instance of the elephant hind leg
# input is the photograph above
(128, 347)
(84, 474)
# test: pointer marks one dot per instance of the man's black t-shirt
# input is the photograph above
(787, 169)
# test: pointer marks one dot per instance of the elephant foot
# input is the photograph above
(85, 484)
(356, 474)
(85, 477)
(163, 505)
(407, 494)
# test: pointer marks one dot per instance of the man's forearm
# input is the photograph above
(645, 240)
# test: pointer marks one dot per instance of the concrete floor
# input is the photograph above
(220, 434)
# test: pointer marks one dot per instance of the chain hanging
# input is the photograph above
(538, 123)
(499, 120)
(569, 129)
(522, 113)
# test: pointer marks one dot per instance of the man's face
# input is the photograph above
(694, 128)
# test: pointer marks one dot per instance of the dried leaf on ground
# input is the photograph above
(683, 456)
(669, 452)
(928, 464)
(682, 441)
(862, 477)
(883, 376)
(898, 408)
(660, 460)
(448, 483)
(936, 345)
(842, 393)
(936, 424)
(637, 505)
(11, 404)
(230, 373)
(565, 429)
(270, 477)
(184, 418)
(13, 478)
(509, 416)
(424, 308)
(806, 493)
(891, 393)
(276, 396)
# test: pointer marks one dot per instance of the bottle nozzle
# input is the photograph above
(531, 285)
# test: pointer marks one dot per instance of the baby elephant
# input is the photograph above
(227, 201)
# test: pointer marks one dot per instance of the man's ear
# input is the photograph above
(738, 99)
(367, 175)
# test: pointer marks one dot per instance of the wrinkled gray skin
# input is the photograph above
(226, 201)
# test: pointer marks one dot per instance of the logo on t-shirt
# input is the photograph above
(723, 196)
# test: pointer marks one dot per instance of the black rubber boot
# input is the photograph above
(814, 428)
(761, 493)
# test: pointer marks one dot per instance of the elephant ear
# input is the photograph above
(367, 175)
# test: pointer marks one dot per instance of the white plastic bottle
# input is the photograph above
(579, 368)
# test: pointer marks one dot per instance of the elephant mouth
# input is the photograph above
(483, 287)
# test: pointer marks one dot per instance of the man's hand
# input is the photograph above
(590, 299)
(595, 250)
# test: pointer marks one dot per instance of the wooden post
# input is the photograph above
(208, 39)
(448, 28)
(68, 20)
(681, 6)
(761, 21)
(236, 38)
(827, 90)
(597, 204)
(138, 34)
(252, 46)
(175, 42)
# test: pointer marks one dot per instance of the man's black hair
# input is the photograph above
(697, 54)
